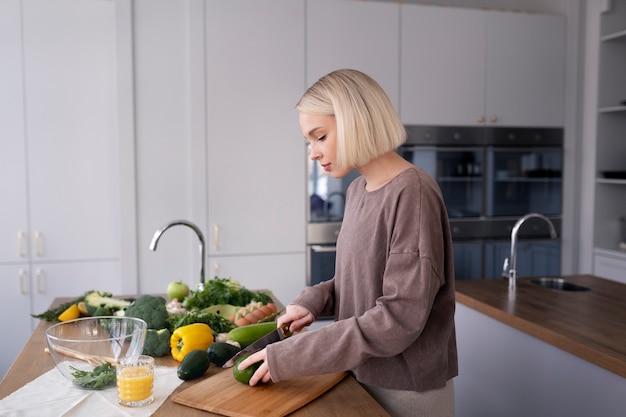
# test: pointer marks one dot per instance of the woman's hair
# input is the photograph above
(367, 124)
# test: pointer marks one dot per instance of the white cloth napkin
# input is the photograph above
(53, 395)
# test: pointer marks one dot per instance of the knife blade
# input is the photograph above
(272, 337)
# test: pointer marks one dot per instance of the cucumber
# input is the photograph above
(246, 335)
(221, 352)
(193, 365)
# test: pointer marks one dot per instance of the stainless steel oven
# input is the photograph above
(325, 206)
(489, 178)
(321, 249)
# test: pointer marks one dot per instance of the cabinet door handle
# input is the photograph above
(38, 242)
(480, 118)
(39, 279)
(216, 269)
(493, 118)
(20, 244)
(216, 236)
(22, 276)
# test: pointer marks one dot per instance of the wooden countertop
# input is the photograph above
(588, 324)
(347, 398)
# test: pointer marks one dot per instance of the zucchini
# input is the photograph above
(193, 365)
(246, 335)
(221, 352)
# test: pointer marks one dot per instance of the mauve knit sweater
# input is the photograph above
(392, 295)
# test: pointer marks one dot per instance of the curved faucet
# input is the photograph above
(512, 274)
(158, 233)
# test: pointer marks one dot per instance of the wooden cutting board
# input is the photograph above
(224, 395)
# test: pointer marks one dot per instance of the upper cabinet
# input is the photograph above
(464, 67)
(254, 64)
(59, 147)
(354, 34)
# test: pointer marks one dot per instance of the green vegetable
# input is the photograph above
(151, 309)
(221, 352)
(101, 377)
(100, 303)
(157, 342)
(244, 375)
(246, 335)
(193, 365)
(52, 315)
(216, 322)
(219, 291)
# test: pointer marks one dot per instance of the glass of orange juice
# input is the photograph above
(135, 380)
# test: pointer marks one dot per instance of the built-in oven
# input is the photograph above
(325, 205)
(489, 178)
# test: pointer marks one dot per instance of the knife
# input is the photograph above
(272, 337)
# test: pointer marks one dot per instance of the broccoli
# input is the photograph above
(151, 309)
(101, 303)
(157, 342)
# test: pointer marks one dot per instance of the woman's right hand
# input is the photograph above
(298, 316)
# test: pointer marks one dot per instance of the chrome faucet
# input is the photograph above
(157, 236)
(510, 263)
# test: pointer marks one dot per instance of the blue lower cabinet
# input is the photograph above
(534, 258)
(468, 260)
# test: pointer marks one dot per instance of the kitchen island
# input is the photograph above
(539, 351)
(347, 398)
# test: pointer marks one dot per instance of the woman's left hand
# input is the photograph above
(261, 374)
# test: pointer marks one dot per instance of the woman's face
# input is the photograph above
(321, 133)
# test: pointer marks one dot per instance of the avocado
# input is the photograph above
(244, 375)
(221, 352)
(193, 365)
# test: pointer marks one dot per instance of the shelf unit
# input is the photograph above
(610, 192)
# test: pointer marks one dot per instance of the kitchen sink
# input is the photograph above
(558, 284)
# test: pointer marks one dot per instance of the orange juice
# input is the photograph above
(135, 382)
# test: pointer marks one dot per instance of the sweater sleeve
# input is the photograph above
(318, 299)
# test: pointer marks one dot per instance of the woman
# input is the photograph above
(392, 295)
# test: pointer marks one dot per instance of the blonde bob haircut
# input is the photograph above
(367, 124)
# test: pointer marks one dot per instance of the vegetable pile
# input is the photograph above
(178, 327)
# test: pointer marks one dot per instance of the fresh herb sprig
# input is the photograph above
(217, 323)
(219, 291)
(101, 377)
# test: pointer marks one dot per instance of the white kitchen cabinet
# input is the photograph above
(255, 150)
(61, 154)
(281, 273)
(59, 162)
(475, 67)
(610, 265)
(610, 145)
(30, 289)
(354, 34)
(13, 213)
(16, 310)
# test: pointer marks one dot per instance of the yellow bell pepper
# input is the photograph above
(190, 337)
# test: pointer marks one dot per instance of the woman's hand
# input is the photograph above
(261, 374)
(298, 316)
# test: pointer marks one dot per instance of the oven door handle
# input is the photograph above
(321, 248)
